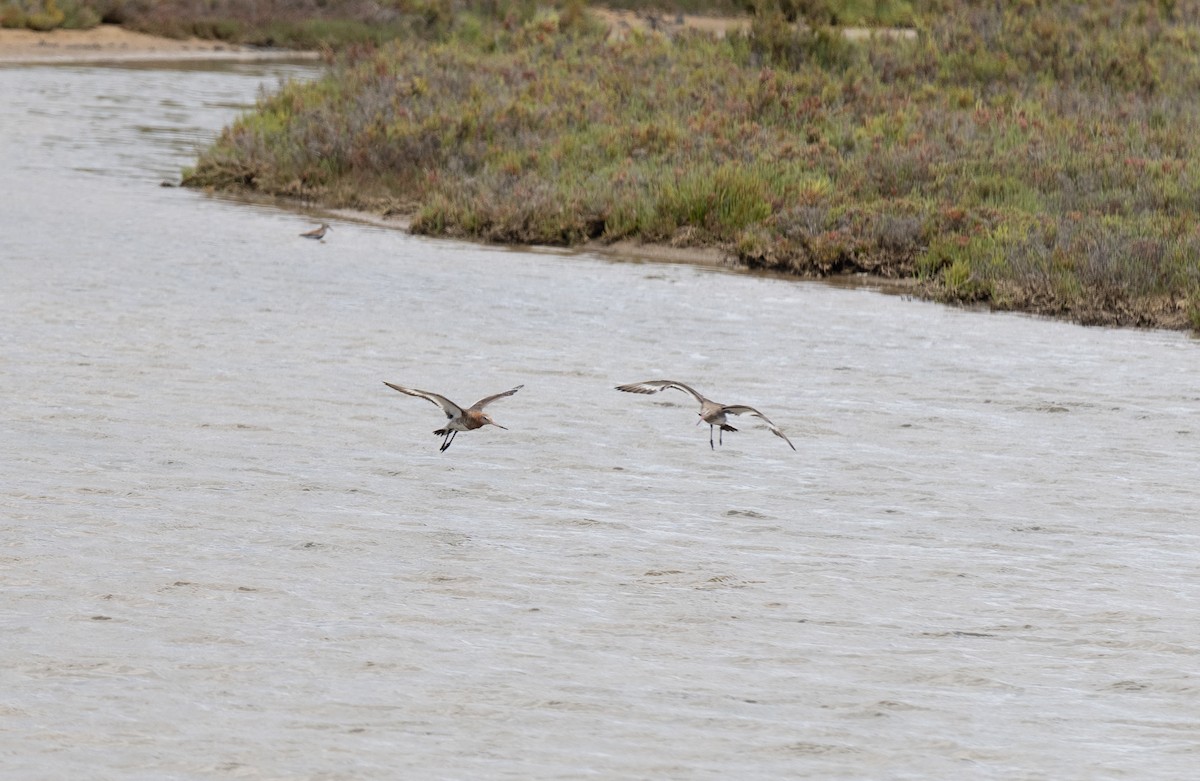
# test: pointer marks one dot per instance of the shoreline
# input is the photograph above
(111, 44)
(714, 258)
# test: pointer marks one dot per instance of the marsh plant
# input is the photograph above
(1037, 156)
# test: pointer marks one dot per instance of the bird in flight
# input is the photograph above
(711, 412)
(460, 419)
(318, 232)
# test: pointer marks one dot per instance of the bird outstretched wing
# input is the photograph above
(486, 401)
(451, 409)
(654, 386)
(742, 409)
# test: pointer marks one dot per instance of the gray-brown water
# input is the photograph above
(227, 550)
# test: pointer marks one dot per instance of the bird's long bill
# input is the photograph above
(497, 425)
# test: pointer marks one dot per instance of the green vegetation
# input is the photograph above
(1035, 156)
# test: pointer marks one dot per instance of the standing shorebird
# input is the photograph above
(460, 419)
(317, 233)
(711, 412)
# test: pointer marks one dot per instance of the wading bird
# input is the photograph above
(460, 419)
(317, 233)
(711, 412)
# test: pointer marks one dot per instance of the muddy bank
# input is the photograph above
(625, 250)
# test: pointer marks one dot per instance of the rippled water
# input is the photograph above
(227, 550)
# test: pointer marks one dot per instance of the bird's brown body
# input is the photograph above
(316, 233)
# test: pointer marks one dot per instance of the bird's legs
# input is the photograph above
(721, 429)
(450, 434)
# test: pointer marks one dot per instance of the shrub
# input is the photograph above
(48, 18)
(12, 17)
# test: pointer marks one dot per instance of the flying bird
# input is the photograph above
(317, 233)
(460, 419)
(711, 412)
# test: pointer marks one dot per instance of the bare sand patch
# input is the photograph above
(621, 23)
(110, 43)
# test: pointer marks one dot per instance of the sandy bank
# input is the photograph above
(112, 44)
